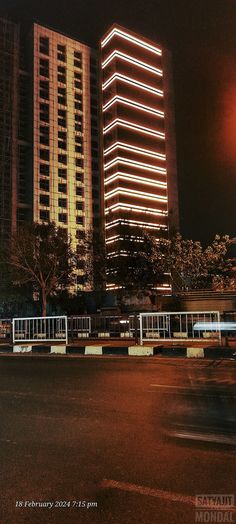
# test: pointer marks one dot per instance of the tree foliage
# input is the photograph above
(41, 255)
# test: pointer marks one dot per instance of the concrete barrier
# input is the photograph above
(93, 350)
(195, 352)
(58, 349)
(22, 349)
(140, 351)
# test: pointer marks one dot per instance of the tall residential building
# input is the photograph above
(68, 114)
(139, 164)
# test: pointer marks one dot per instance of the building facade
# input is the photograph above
(86, 134)
(139, 164)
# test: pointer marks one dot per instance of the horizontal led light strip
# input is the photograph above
(132, 125)
(136, 209)
(132, 103)
(134, 163)
(138, 150)
(131, 38)
(149, 225)
(134, 178)
(131, 81)
(132, 60)
(138, 194)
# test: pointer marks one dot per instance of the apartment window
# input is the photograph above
(78, 97)
(78, 118)
(44, 112)
(80, 235)
(61, 100)
(78, 127)
(78, 140)
(79, 149)
(44, 184)
(44, 135)
(44, 169)
(79, 162)
(62, 202)
(44, 67)
(80, 220)
(61, 48)
(61, 69)
(62, 113)
(78, 84)
(61, 91)
(61, 78)
(61, 122)
(44, 140)
(62, 159)
(62, 135)
(62, 172)
(77, 54)
(79, 177)
(62, 145)
(79, 191)
(44, 215)
(77, 75)
(79, 206)
(44, 154)
(62, 188)
(62, 217)
(44, 89)
(44, 45)
(44, 200)
(78, 106)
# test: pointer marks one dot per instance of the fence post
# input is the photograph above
(136, 328)
(141, 328)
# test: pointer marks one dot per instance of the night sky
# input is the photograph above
(202, 37)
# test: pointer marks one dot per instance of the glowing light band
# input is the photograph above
(133, 178)
(138, 150)
(137, 194)
(135, 209)
(132, 125)
(131, 38)
(134, 163)
(148, 225)
(132, 60)
(132, 103)
(131, 81)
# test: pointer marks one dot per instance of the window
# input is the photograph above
(62, 202)
(79, 162)
(61, 100)
(44, 184)
(61, 69)
(78, 149)
(62, 188)
(44, 215)
(44, 135)
(44, 200)
(78, 127)
(44, 169)
(79, 206)
(44, 112)
(78, 106)
(80, 220)
(61, 57)
(44, 154)
(61, 48)
(62, 217)
(62, 159)
(61, 78)
(78, 84)
(62, 172)
(77, 75)
(62, 113)
(79, 191)
(61, 122)
(61, 91)
(44, 89)
(44, 45)
(44, 67)
(78, 97)
(79, 177)
(62, 135)
(78, 140)
(78, 118)
(80, 235)
(62, 145)
(77, 54)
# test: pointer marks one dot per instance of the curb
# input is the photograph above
(137, 351)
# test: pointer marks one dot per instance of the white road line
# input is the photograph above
(158, 493)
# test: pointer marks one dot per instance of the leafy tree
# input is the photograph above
(41, 255)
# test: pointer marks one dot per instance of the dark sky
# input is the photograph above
(202, 37)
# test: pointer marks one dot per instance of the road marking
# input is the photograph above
(143, 490)
(151, 492)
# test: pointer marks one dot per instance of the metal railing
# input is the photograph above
(79, 327)
(40, 329)
(102, 326)
(180, 326)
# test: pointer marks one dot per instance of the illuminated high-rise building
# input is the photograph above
(139, 162)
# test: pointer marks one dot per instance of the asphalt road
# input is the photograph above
(114, 440)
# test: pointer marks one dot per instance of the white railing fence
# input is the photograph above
(180, 326)
(40, 329)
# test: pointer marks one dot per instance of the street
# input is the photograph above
(113, 439)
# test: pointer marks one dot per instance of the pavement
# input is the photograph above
(114, 440)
